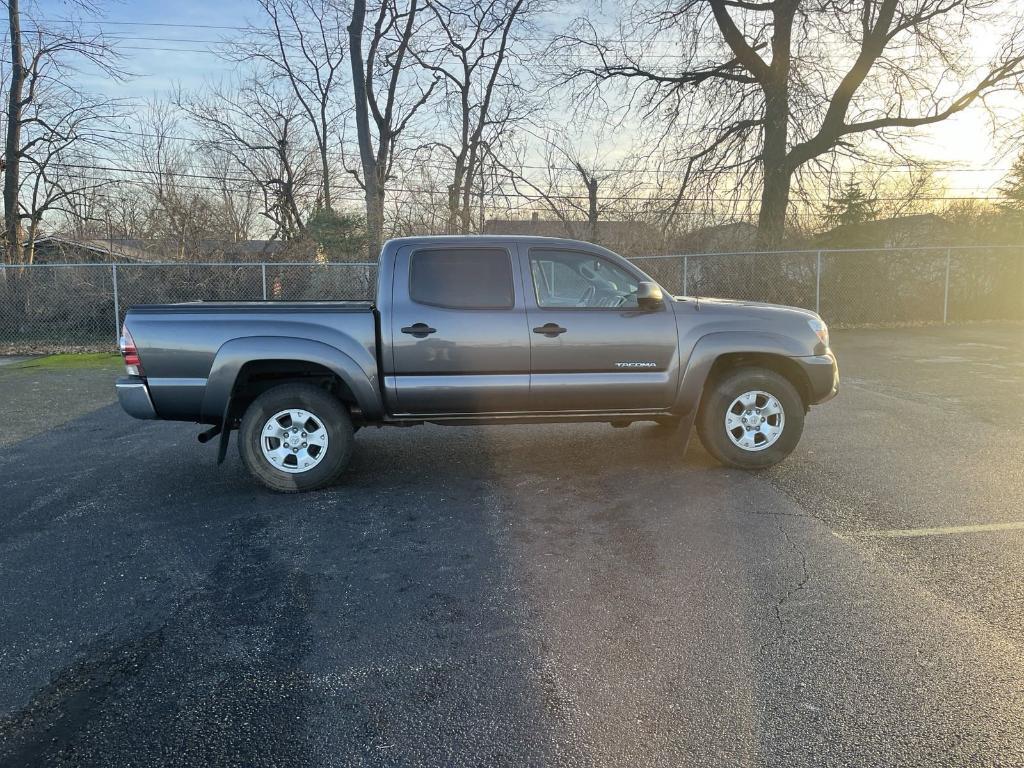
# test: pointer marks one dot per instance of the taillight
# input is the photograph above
(130, 353)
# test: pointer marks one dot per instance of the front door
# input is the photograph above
(459, 330)
(592, 347)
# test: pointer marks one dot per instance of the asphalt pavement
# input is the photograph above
(553, 595)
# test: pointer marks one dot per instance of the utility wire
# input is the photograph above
(313, 184)
(936, 167)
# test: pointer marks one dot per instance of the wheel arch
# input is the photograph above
(257, 376)
(780, 364)
(718, 353)
(256, 363)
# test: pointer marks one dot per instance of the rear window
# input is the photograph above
(471, 278)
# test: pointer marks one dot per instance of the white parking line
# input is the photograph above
(909, 533)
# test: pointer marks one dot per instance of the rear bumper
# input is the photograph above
(134, 398)
(822, 374)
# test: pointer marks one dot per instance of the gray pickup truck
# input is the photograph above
(474, 330)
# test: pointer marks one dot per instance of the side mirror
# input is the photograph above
(649, 296)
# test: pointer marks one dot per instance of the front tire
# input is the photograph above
(750, 418)
(296, 437)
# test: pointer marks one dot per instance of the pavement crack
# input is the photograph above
(798, 586)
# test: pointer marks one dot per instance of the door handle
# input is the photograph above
(551, 330)
(419, 330)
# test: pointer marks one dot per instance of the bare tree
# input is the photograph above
(186, 199)
(64, 134)
(420, 206)
(260, 133)
(38, 64)
(567, 188)
(305, 50)
(771, 86)
(481, 67)
(238, 208)
(581, 177)
(384, 89)
(909, 192)
(113, 210)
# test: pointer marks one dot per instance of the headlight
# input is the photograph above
(820, 329)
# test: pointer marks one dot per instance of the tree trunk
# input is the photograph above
(481, 213)
(371, 180)
(375, 222)
(326, 169)
(451, 226)
(455, 199)
(12, 149)
(592, 208)
(33, 228)
(771, 223)
(466, 208)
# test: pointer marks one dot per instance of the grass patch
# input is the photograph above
(87, 360)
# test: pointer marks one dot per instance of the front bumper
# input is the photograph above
(133, 395)
(822, 375)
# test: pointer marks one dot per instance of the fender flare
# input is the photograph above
(713, 346)
(236, 353)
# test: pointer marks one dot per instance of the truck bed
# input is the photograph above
(178, 343)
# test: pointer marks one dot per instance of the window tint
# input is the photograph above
(573, 279)
(471, 278)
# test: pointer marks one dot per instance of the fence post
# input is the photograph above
(117, 304)
(686, 275)
(817, 286)
(263, 271)
(945, 296)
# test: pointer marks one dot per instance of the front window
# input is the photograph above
(564, 279)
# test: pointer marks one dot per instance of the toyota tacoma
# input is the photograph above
(477, 330)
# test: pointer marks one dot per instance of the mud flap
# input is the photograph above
(686, 425)
(225, 433)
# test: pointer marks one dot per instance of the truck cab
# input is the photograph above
(519, 326)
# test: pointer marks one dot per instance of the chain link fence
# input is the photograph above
(862, 287)
(79, 307)
(70, 307)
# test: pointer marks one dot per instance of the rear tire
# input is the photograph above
(750, 418)
(298, 416)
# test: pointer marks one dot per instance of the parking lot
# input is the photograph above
(553, 595)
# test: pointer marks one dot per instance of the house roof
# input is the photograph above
(139, 250)
(125, 250)
(730, 236)
(917, 229)
(606, 229)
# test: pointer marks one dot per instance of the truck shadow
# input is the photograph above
(547, 449)
(623, 558)
(162, 606)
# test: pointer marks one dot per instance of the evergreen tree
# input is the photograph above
(339, 236)
(1013, 188)
(851, 206)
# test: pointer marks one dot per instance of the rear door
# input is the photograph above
(592, 347)
(459, 330)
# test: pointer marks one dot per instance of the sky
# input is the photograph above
(160, 55)
(156, 53)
